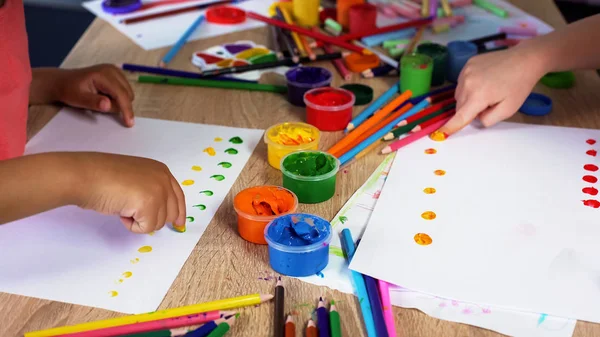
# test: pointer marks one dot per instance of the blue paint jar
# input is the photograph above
(459, 52)
(298, 244)
(302, 79)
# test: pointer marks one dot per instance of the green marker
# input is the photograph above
(212, 84)
(490, 7)
(223, 328)
(334, 321)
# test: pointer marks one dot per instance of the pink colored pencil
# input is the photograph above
(388, 314)
(507, 42)
(395, 146)
(451, 20)
(339, 64)
(522, 31)
(162, 324)
(405, 11)
(461, 3)
(411, 4)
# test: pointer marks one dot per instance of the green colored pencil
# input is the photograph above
(334, 321)
(490, 7)
(406, 128)
(223, 328)
(212, 83)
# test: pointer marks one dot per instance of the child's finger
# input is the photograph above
(463, 117)
(495, 114)
(180, 202)
(161, 218)
(120, 76)
(119, 94)
(96, 102)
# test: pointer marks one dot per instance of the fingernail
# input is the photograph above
(439, 136)
(179, 229)
(104, 105)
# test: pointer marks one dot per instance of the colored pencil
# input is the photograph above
(288, 19)
(446, 7)
(323, 319)
(212, 84)
(395, 146)
(195, 7)
(276, 41)
(383, 70)
(415, 40)
(278, 316)
(405, 11)
(424, 8)
(492, 8)
(480, 42)
(399, 131)
(384, 58)
(378, 103)
(432, 93)
(167, 323)
(311, 329)
(182, 40)
(379, 134)
(384, 292)
(175, 73)
(433, 108)
(334, 319)
(318, 36)
(223, 328)
(385, 29)
(490, 50)
(339, 64)
(290, 327)
(309, 51)
(359, 284)
(376, 306)
(286, 36)
(206, 329)
(434, 120)
(164, 333)
(223, 304)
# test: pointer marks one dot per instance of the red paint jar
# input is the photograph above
(362, 18)
(329, 109)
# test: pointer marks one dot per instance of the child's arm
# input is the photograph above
(141, 191)
(494, 86)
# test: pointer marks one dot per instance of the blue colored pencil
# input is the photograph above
(176, 73)
(383, 131)
(323, 319)
(205, 329)
(376, 306)
(370, 110)
(374, 40)
(359, 285)
(182, 40)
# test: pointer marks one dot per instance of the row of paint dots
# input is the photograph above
(211, 152)
(588, 178)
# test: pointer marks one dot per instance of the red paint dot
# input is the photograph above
(590, 179)
(592, 153)
(592, 203)
(590, 167)
(591, 141)
(590, 191)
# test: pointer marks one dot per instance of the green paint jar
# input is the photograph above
(311, 175)
(415, 74)
(439, 55)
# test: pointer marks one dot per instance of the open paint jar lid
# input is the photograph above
(362, 93)
(559, 80)
(536, 105)
(225, 15)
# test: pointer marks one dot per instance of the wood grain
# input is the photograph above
(222, 264)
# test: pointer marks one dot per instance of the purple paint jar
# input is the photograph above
(302, 79)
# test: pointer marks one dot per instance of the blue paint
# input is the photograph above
(321, 275)
(298, 244)
(302, 79)
(542, 319)
(459, 52)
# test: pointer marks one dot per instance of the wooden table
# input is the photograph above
(222, 264)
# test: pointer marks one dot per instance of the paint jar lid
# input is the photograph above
(121, 6)
(225, 15)
(363, 93)
(299, 249)
(321, 177)
(559, 80)
(358, 63)
(309, 77)
(536, 105)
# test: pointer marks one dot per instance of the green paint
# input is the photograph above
(236, 140)
(224, 164)
(200, 207)
(343, 219)
(311, 175)
(336, 251)
(416, 70)
(231, 151)
(218, 177)
(207, 193)
(309, 163)
(190, 218)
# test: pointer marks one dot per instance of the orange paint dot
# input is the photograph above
(429, 215)
(439, 172)
(430, 151)
(423, 239)
(438, 136)
(211, 152)
(429, 190)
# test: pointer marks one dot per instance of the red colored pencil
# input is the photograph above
(427, 111)
(413, 137)
(442, 96)
(435, 119)
(386, 29)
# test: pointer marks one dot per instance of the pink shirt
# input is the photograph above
(15, 78)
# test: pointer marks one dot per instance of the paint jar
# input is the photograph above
(285, 138)
(306, 12)
(439, 54)
(343, 8)
(329, 109)
(298, 244)
(259, 205)
(362, 18)
(459, 52)
(415, 73)
(311, 175)
(302, 79)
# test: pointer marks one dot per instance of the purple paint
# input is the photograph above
(302, 79)
(235, 48)
(121, 6)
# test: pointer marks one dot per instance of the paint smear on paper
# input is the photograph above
(151, 233)
(200, 207)
(590, 179)
(113, 293)
(218, 139)
(231, 151)
(541, 319)
(429, 215)
(236, 140)
(134, 261)
(196, 168)
(592, 153)
(218, 177)
(320, 274)
(590, 167)
(343, 219)
(127, 274)
(429, 190)
(438, 136)
(187, 182)
(439, 172)
(224, 164)
(119, 281)
(190, 218)
(423, 239)
(207, 193)
(430, 151)
(591, 141)
(591, 203)
(145, 249)
(590, 190)
(211, 152)
(336, 251)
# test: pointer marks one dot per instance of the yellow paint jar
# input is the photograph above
(285, 138)
(306, 12)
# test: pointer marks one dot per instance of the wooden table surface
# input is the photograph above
(222, 264)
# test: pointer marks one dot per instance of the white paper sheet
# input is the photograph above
(511, 230)
(81, 257)
(165, 31)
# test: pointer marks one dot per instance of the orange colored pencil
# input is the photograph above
(311, 329)
(290, 327)
(376, 118)
(372, 130)
(306, 45)
(414, 41)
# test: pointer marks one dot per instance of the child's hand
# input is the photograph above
(493, 87)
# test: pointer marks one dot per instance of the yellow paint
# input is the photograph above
(127, 274)
(187, 182)
(151, 233)
(252, 52)
(218, 139)
(284, 138)
(180, 229)
(429, 215)
(196, 168)
(145, 249)
(113, 293)
(430, 151)
(119, 281)
(429, 190)
(423, 239)
(211, 152)
(134, 261)
(439, 172)
(438, 136)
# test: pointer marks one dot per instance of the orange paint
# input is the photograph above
(438, 136)
(430, 151)
(429, 215)
(257, 206)
(439, 172)
(423, 239)
(429, 190)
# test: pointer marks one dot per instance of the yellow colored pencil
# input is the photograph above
(288, 19)
(223, 304)
(446, 8)
(425, 8)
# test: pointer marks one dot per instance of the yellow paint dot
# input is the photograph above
(218, 139)
(134, 261)
(429, 215)
(127, 274)
(423, 239)
(187, 182)
(113, 293)
(196, 168)
(429, 190)
(145, 249)
(119, 281)
(430, 151)
(211, 152)
(438, 136)
(151, 233)
(439, 172)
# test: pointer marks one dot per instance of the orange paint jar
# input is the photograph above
(257, 206)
